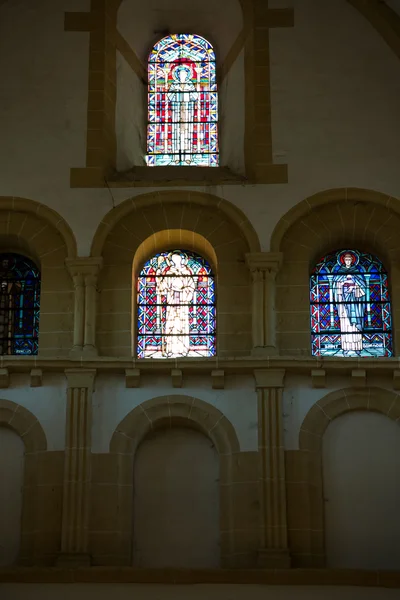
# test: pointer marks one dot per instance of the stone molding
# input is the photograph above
(25, 424)
(180, 410)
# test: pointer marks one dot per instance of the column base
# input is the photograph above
(89, 351)
(72, 560)
(273, 559)
(264, 351)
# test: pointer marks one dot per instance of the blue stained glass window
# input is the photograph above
(350, 306)
(182, 103)
(176, 307)
(19, 305)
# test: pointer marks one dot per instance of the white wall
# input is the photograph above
(11, 481)
(176, 501)
(361, 470)
(47, 403)
(112, 401)
(335, 95)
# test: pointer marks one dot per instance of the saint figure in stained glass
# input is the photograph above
(176, 308)
(19, 305)
(182, 103)
(350, 306)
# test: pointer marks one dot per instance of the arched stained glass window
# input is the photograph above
(182, 103)
(176, 306)
(350, 306)
(19, 305)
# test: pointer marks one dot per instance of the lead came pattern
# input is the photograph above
(182, 103)
(176, 307)
(350, 306)
(19, 305)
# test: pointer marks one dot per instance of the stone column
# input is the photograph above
(84, 272)
(263, 267)
(274, 552)
(77, 472)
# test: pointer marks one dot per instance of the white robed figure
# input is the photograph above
(182, 96)
(178, 286)
(349, 292)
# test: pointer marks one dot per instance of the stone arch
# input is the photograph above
(170, 411)
(218, 228)
(338, 403)
(39, 233)
(25, 424)
(39, 212)
(311, 433)
(325, 222)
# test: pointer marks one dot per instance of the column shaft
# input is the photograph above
(79, 312)
(273, 538)
(77, 473)
(90, 313)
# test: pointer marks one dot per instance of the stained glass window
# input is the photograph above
(350, 306)
(19, 305)
(176, 306)
(182, 103)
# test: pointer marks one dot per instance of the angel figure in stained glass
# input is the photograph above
(176, 286)
(182, 96)
(350, 292)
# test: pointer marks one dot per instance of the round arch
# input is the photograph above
(183, 411)
(25, 424)
(340, 402)
(166, 201)
(306, 206)
(43, 212)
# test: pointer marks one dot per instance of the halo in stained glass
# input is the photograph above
(182, 103)
(350, 306)
(19, 305)
(176, 307)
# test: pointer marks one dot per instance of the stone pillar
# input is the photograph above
(274, 552)
(77, 472)
(84, 272)
(264, 267)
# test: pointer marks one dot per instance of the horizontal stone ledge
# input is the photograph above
(242, 364)
(342, 577)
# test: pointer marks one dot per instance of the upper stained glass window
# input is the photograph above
(19, 305)
(350, 306)
(176, 306)
(182, 103)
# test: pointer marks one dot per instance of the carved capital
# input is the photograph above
(266, 263)
(80, 378)
(84, 267)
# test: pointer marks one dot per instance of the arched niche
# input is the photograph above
(157, 222)
(343, 218)
(312, 430)
(167, 412)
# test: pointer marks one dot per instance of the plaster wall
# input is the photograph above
(12, 479)
(361, 466)
(174, 469)
(47, 403)
(112, 401)
(335, 90)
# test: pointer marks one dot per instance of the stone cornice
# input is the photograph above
(243, 365)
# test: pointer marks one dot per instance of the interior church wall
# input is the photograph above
(338, 130)
(112, 401)
(12, 478)
(361, 463)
